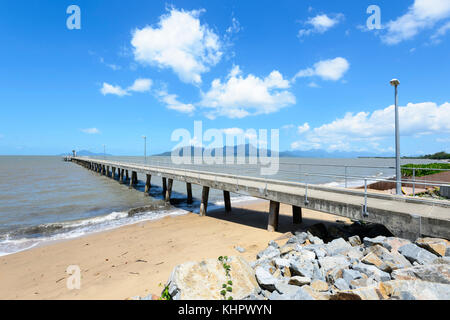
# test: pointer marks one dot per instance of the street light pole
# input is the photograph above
(145, 149)
(398, 176)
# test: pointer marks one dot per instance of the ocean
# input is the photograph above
(43, 198)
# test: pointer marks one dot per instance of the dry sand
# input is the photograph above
(135, 259)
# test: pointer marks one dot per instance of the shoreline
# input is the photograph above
(134, 259)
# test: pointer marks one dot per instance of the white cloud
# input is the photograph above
(111, 89)
(333, 69)
(303, 128)
(320, 24)
(349, 132)
(423, 14)
(139, 85)
(241, 96)
(179, 42)
(90, 131)
(441, 32)
(171, 101)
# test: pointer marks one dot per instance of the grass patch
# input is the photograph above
(406, 171)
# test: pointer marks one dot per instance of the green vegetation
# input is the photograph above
(165, 294)
(425, 171)
(437, 156)
(227, 287)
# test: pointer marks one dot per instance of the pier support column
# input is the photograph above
(226, 199)
(107, 171)
(148, 184)
(126, 176)
(121, 178)
(189, 192)
(297, 214)
(113, 174)
(274, 212)
(133, 179)
(204, 203)
(103, 170)
(164, 185)
(169, 190)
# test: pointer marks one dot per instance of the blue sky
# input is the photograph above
(311, 69)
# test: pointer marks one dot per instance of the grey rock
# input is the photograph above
(268, 253)
(192, 280)
(442, 260)
(254, 297)
(355, 253)
(348, 275)
(265, 279)
(304, 269)
(329, 263)
(281, 263)
(240, 249)
(337, 246)
(274, 244)
(285, 288)
(277, 296)
(313, 239)
(438, 273)
(341, 284)
(301, 237)
(354, 241)
(416, 254)
(297, 294)
(299, 281)
(362, 283)
(377, 240)
(416, 290)
(372, 271)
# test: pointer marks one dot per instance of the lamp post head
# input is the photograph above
(394, 82)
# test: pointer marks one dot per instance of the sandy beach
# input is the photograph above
(135, 259)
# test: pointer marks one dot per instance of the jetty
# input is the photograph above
(406, 217)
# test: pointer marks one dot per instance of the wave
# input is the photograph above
(28, 237)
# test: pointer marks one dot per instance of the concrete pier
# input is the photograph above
(164, 185)
(189, 193)
(297, 215)
(227, 201)
(274, 213)
(204, 203)
(168, 192)
(405, 217)
(148, 183)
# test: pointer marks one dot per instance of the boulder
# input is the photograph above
(274, 244)
(349, 275)
(337, 246)
(341, 284)
(385, 260)
(355, 253)
(372, 272)
(304, 255)
(415, 290)
(319, 285)
(361, 283)
(281, 263)
(390, 243)
(416, 254)
(299, 281)
(317, 295)
(434, 245)
(329, 263)
(366, 293)
(303, 269)
(438, 273)
(354, 241)
(299, 294)
(269, 253)
(203, 280)
(265, 279)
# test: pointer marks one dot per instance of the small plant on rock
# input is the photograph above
(226, 287)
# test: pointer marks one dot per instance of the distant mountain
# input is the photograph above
(86, 153)
(284, 154)
(234, 150)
